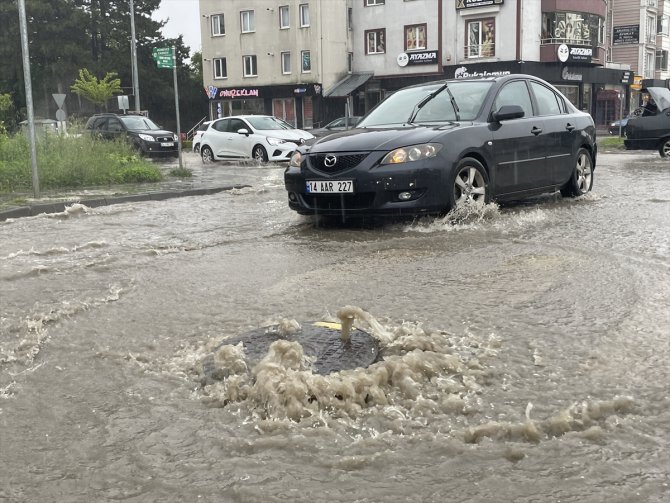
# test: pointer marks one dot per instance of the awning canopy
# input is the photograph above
(347, 85)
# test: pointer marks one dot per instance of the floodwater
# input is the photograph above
(524, 350)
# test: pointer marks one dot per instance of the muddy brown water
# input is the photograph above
(525, 350)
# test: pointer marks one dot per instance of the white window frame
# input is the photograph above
(304, 15)
(302, 60)
(218, 29)
(218, 65)
(417, 28)
(372, 3)
(284, 17)
(250, 66)
(285, 63)
(247, 21)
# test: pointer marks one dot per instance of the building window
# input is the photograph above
(661, 61)
(663, 25)
(285, 62)
(247, 21)
(370, 3)
(649, 65)
(220, 70)
(250, 66)
(218, 28)
(304, 15)
(350, 62)
(375, 41)
(481, 38)
(306, 59)
(284, 20)
(572, 28)
(350, 19)
(415, 37)
(651, 29)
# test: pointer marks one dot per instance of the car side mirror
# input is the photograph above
(243, 131)
(508, 112)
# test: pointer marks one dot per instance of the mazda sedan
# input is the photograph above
(429, 148)
(261, 137)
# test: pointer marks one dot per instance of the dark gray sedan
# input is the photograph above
(432, 147)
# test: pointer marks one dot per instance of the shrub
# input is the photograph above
(181, 172)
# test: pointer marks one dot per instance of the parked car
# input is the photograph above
(198, 134)
(431, 147)
(261, 137)
(339, 124)
(143, 134)
(651, 130)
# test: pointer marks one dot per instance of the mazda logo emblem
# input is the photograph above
(330, 161)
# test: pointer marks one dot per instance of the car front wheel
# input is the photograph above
(664, 148)
(206, 154)
(259, 154)
(470, 184)
(581, 179)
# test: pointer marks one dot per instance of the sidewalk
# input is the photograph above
(206, 179)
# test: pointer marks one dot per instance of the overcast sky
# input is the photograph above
(184, 19)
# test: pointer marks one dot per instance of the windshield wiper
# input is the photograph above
(424, 101)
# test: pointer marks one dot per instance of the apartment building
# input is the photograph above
(274, 57)
(362, 50)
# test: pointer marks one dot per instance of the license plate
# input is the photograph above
(330, 186)
(167, 144)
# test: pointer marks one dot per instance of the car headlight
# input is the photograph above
(275, 141)
(296, 159)
(146, 137)
(175, 137)
(413, 153)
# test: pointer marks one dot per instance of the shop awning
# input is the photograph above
(347, 85)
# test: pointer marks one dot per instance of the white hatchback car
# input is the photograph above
(261, 137)
(198, 134)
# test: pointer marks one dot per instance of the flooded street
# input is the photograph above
(524, 350)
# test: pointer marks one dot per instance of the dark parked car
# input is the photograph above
(431, 147)
(651, 130)
(143, 134)
(340, 124)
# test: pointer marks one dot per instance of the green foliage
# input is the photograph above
(611, 143)
(181, 173)
(71, 162)
(187, 144)
(94, 90)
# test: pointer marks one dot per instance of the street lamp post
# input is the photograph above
(133, 49)
(29, 95)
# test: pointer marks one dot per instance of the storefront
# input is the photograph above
(296, 104)
(603, 92)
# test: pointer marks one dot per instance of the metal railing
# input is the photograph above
(191, 132)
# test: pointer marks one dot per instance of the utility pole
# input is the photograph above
(29, 95)
(133, 50)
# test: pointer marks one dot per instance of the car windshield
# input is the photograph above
(267, 123)
(400, 106)
(139, 122)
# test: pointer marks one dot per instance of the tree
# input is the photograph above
(6, 115)
(96, 91)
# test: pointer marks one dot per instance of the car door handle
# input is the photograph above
(536, 130)
(570, 127)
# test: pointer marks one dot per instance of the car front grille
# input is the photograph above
(338, 201)
(343, 162)
(164, 138)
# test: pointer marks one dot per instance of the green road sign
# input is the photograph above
(163, 56)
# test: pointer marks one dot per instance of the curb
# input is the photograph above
(58, 207)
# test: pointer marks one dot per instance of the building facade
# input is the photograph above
(362, 50)
(273, 57)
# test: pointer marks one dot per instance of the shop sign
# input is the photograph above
(572, 75)
(463, 73)
(417, 58)
(627, 34)
(300, 90)
(637, 83)
(626, 77)
(472, 4)
(574, 53)
(237, 93)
